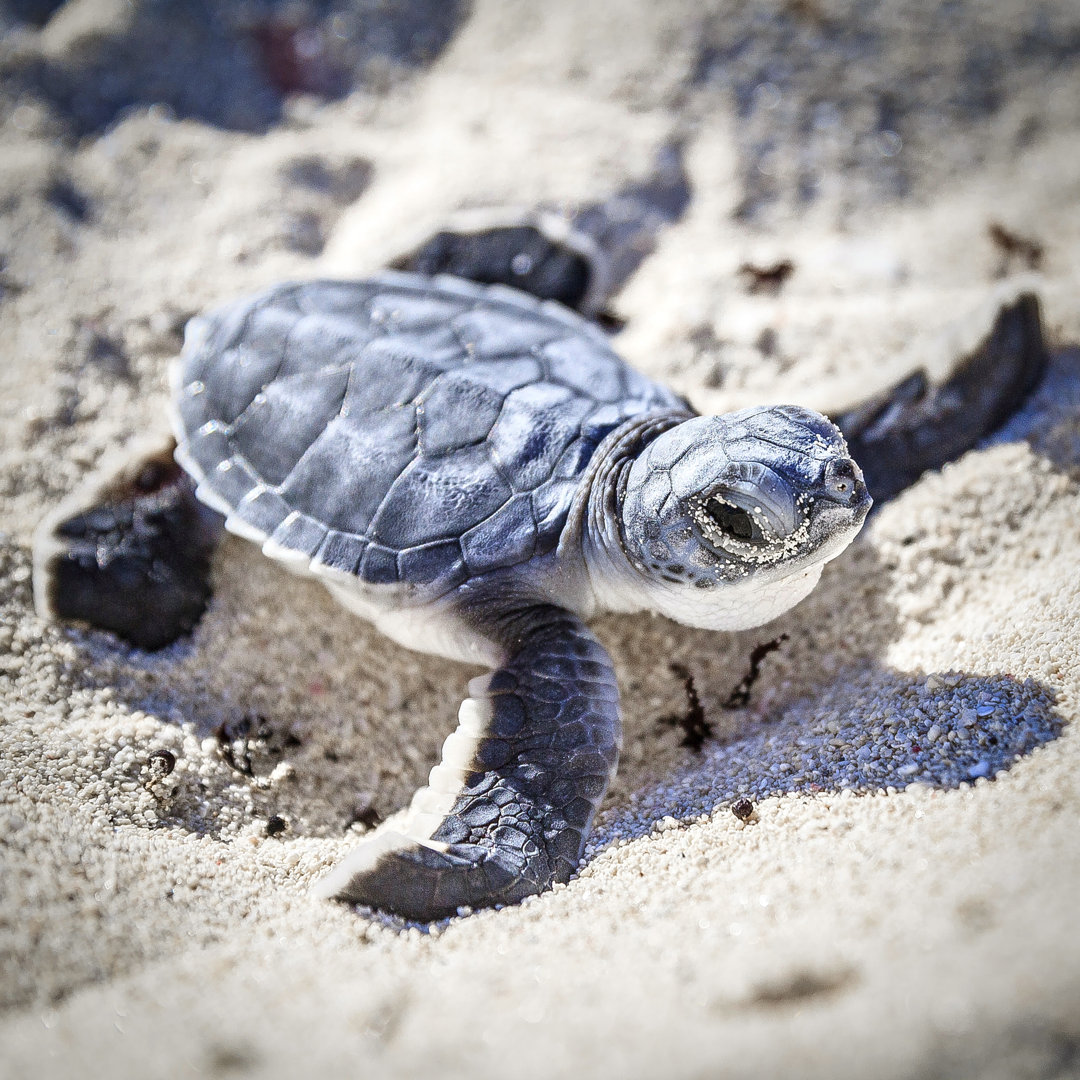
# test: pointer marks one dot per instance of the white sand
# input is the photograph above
(856, 926)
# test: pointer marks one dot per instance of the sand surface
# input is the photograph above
(903, 903)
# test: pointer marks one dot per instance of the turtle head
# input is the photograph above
(728, 520)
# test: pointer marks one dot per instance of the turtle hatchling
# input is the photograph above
(478, 474)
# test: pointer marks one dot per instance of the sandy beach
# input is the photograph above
(902, 902)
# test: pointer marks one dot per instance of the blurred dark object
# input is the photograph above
(297, 57)
(626, 227)
(221, 62)
(766, 279)
(327, 47)
(517, 255)
(1015, 249)
(579, 259)
(34, 12)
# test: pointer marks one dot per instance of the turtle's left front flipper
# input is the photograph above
(129, 551)
(507, 811)
(914, 426)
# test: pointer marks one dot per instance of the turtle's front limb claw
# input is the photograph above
(507, 811)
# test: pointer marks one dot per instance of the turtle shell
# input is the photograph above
(402, 429)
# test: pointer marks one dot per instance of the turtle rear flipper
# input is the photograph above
(580, 257)
(509, 807)
(914, 426)
(129, 552)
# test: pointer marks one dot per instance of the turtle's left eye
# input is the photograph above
(734, 522)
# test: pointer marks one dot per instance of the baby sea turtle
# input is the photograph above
(477, 473)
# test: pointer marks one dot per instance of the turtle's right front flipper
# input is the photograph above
(508, 809)
(129, 552)
(912, 427)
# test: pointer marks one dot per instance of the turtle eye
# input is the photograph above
(734, 522)
(841, 476)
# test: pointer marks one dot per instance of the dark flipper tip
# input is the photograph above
(133, 558)
(914, 426)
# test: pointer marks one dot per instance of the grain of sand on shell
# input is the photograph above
(901, 903)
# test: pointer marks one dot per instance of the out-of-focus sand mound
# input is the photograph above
(903, 901)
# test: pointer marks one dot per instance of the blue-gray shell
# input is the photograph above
(401, 429)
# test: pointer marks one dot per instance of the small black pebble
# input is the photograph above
(742, 809)
(162, 762)
(276, 825)
(766, 279)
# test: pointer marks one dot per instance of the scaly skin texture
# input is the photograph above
(532, 782)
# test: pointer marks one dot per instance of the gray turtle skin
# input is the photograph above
(478, 473)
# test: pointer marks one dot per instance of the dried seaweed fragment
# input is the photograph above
(695, 728)
(740, 697)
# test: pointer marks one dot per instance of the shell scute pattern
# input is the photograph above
(300, 534)
(386, 375)
(263, 510)
(456, 411)
(573, 363)
(505, 376)
(347, 470)
(256, 369)
(420, 315)
(234, 480)
(505, 538)
(379, 565)
(339, 551)
(551, 507)
(540, 422)
(298, 409)
(334, 338)
(487, 334)
(401, 430)
(438, 565)
(326, 297)
(267, 333)
(439, 499)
